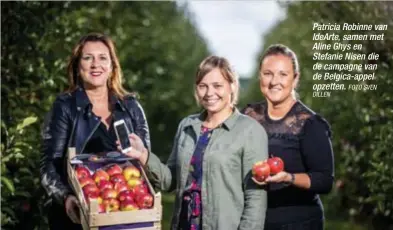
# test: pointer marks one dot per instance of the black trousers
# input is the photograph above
(313, 224)
(58, 219)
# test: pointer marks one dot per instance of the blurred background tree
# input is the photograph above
(159, 50)
(361, 121)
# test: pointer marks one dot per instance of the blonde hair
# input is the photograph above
(116, 77)
(213, 62)
(280, 49)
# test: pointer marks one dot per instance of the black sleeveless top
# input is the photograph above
(302, 140)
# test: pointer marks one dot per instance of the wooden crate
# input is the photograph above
(144, 219)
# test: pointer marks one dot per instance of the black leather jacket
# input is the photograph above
(72, 113)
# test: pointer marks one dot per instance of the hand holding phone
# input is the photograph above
(122, 134)
(138, 150)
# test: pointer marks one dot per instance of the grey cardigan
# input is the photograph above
(230, 199)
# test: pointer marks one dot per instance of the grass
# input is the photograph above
(168, 201)
(331, 224)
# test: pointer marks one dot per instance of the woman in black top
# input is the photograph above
(300, 137)
(83, 118)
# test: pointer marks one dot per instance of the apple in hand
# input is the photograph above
(126, 195)
(109, 193)
(85, 181)
(119, 187)
(114, 169)
(100, 175)
(111, 204)
(276, 165)
(128, 205)
(131, 172)
(118, 178)
(260, 171)
(104, 184)
(144, 200)
(81, 172)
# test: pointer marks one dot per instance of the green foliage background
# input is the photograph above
(159, 50)
(361, 121)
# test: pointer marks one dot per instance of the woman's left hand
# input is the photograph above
(281, 177)
(137, 150)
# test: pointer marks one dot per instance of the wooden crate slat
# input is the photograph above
(125, 217)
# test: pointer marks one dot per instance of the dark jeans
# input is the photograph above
(313, 224)
(58, 219)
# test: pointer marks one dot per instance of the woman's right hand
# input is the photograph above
(138, 150)
(72, 208)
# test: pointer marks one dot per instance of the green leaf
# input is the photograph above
(25, 170)
(19, 155)
(6, 158)
(26, 122)
(8, 211)
(16, 150)
(9, 184)
(23, 194)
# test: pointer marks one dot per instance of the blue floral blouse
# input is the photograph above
(191, 212)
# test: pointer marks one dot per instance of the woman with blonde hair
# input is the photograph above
(211, 159)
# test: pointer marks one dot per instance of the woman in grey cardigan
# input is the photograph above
(212, 157)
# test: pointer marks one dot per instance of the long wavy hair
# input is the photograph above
(115, 79)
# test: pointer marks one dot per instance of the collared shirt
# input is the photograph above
(230, 199)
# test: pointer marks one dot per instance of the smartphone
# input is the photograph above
(122, 135)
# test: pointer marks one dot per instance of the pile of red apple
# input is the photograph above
(115, 188)
(263, 169)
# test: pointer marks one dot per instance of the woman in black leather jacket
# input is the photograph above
(83, 118)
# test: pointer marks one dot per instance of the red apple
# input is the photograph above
(101, 208)
(260, 171)
(85, 181)
(93, 195)
(111, 204)
(134, 182)
(126, 195)
(119, 187)
(130, 172)
(104, 184)
(114, 169)
(90, 188)
(109, 193)
(128, 205)
(140, 189)
(81, 172)
(276, 165)
(118, 178)
(100, 175)
(144, 200)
